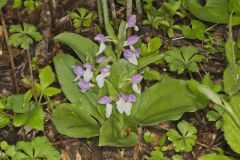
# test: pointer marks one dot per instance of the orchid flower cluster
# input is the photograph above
(86, 79)
(124, 102)
(85, 76)
(130, 53)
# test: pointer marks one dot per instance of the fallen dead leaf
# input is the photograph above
(78, 156)
(64, 155)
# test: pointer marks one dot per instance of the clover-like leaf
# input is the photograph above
(185, 139)
(182, 59)
(23, 35)
(82, 17)
(39, 148)
(196, 31)
(216, 115)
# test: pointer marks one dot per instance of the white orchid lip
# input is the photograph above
(130, 56)
(107, 101)
(124, 103)
(105, 72)
(135, 80)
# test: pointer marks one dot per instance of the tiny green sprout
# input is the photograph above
(149, 137)
(177, 157)
(152, 47)
(82, 17)
(185, 58)
(23, 35)
(185, 139)
(43, 88)
(158, 155)
(30, 5)
(216, 115)
(4, 145)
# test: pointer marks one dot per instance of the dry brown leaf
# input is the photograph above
(78, 156)
(64, 155)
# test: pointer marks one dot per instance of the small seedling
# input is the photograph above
(30, 5)
(182, 59)
(185, 139)
(39, 148)
(82, 17)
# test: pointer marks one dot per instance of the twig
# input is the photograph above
(174, 39)
(52, 14)
(9, 51)
(114, 15)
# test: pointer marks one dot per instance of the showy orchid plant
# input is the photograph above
(105, 91)
(85, 74)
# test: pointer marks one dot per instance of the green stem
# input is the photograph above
(105, 11)
(31, 74)
(228, 108)
(139, 6)
(100, 12)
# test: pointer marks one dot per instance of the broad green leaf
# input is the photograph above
(17, 104)
(234, 5)
(10, 151)
(114, 133)
(81, 45)
(215, 11)
(76, 123)
(32, 119)
(63, 65)
(196, 32)
(207, 91)
(151, 74)
(3, 3)
(17, 3)
(230, 127)
(214, 156)
(154, 44)
(147, 60)
(51, 91)
(167, 100)
(121, 71)
(231, 83)
(4, 121)
(46, 77)
(39, 148)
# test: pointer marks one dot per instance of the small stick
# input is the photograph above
(114, 15)
(9, 51)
